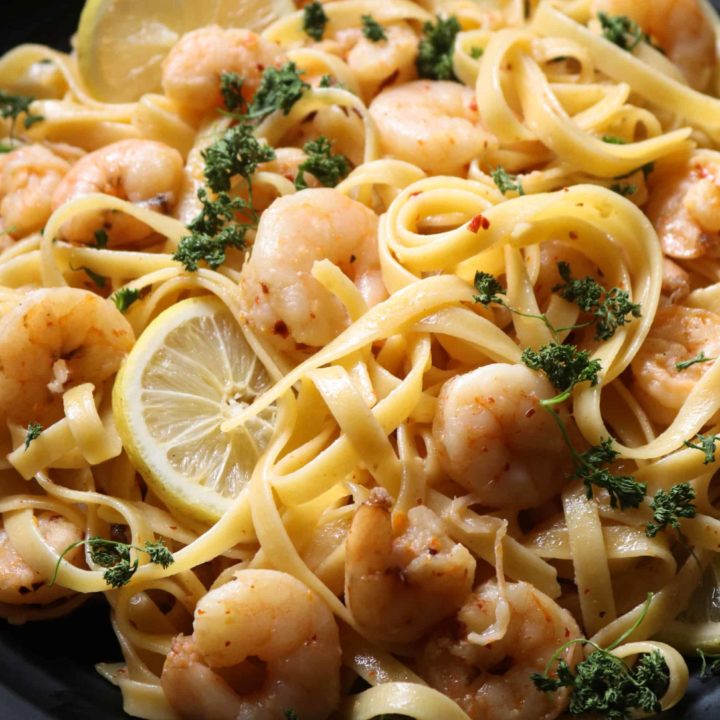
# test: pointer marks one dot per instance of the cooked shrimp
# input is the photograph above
(28, 178)
(262, 644)
(52, 340)
(675, 282)
(191, 72)
(678, 334)
(145, 172)
(282, 298)
(491, 679)
(679, 27)
(381, 63)
(431, 123)
(21, 584)
(684, 206)
(398, 588)
(494, 439)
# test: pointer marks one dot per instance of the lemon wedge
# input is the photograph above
(698, 627)
(190, 370)
(121, 43)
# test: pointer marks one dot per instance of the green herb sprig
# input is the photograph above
(705, 444)
(314, 20)
(115, 557)
(33, 432)
(506, 182)
(622, 31)
(698, 359)
(669, 507)
(372, 29)
(603, 684)
(434, 60)
(329, 169)
(610, 309)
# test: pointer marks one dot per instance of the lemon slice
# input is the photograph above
(698, 627)
(121, 43)
(190, 370)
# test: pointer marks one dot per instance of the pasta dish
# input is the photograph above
(365, 355)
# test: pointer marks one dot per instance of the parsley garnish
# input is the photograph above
(125, 297)
(231, 88)
(329, 169)
(669, 507)
(314, 20)
(622, 31)
(489, 292)
(591, 468)
(476, 52)
(278, 90)
(212, 249)
(505, 182)
(705, 444)
(237, 152)
(98, 279)
(610, 308)
(700, 358)
(32, 433)
(564, 365)
(434, 60)
(290, 715)
(614, 140)
(372, 29)
(624, 190)
(115, 558)
(12, 106)
(101, 238)
(603, 684)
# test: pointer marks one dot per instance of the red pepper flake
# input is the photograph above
(573, 235)
(479, 221)
(473, 105)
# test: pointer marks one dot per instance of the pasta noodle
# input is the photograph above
(387, 381)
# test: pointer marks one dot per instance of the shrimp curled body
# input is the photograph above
(21, 584)
(262, 644)
(192, 70)
(432, 123)
(28, 178)
(145, 172)
(52, 340)
(678, 335)
(398, 588)
(495, 439)
(490, 676)
(283, 300)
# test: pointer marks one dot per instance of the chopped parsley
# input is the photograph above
(101, 238)
(434, 60)
(98, 279)
(699, 358)
(329, 169)
(622, 31)
(115, 558)
(231, 89)
(32, 433)
(603, 684)
(708, 669)
(624, 190)
(706, 444)
(12, 106)
(476, 52)
(669, 507)
(614, 140)
(125, 297)
(278, 90)
(564, 365)
(237, 152)
(610, 308)
(505, 182)
(314, 20)
(372, 29)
